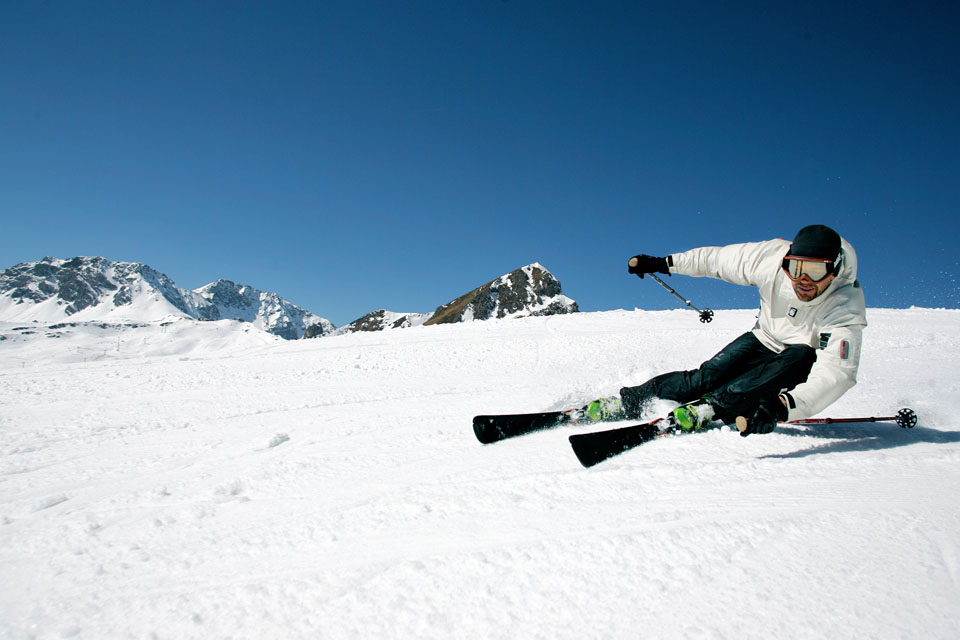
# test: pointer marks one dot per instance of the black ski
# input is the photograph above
(594, 448)
(500, 427)
(493, 428)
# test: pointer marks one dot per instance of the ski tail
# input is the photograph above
(493, 428)
(594, 448)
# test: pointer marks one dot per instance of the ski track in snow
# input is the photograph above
(205, 483)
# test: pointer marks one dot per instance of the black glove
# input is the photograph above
(765, 418)
(642, 264)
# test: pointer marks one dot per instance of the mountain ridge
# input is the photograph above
(96, 288)
(530, 290)
(86, 288)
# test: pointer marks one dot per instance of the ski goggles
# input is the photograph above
(816, 269)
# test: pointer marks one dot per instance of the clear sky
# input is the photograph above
(363, 154)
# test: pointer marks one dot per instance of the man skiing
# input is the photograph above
(802, 354)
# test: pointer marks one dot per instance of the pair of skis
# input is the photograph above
(593, 448)
(590, 448)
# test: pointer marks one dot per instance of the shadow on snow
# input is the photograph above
(863, 436)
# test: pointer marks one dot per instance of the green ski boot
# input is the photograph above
(693, 416)
(604, 410)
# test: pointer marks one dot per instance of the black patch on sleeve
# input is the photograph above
(790, 401)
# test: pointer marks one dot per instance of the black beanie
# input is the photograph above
(816, 241)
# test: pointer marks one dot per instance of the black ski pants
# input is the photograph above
(737, 379)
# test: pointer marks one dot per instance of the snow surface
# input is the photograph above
(195, 480)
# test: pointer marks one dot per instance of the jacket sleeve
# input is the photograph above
(838, 359)
(833, 374)
(746, 264)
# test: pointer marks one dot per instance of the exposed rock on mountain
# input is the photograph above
(95, 289)
(528, 291)
(266, 310)
(381, 320)
(87, 289)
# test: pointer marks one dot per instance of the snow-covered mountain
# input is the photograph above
(528, 291)
(95, 289)
(381, 320)
(264, 309)
(98, 289)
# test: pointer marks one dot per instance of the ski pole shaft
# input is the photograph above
(706, 315)
(905, 418)
(841, 420)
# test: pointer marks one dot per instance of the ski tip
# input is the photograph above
(593, 448)
(586, 455)
(485, 430)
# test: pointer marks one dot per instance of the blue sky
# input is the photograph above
(356, 155)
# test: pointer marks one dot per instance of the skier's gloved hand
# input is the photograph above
(642, 264)
(765, 418)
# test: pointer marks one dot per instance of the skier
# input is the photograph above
(802, 354)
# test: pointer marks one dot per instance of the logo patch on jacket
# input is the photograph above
(793, 312)
(844, 349)
(824, 340)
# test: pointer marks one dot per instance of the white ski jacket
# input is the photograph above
(833, 322)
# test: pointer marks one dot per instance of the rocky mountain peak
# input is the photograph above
(95, 288)
(528, 291)
(98, 289)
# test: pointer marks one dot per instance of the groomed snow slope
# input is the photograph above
(334, 489)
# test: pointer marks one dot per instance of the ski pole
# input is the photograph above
(705, 316)
(905, 418)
